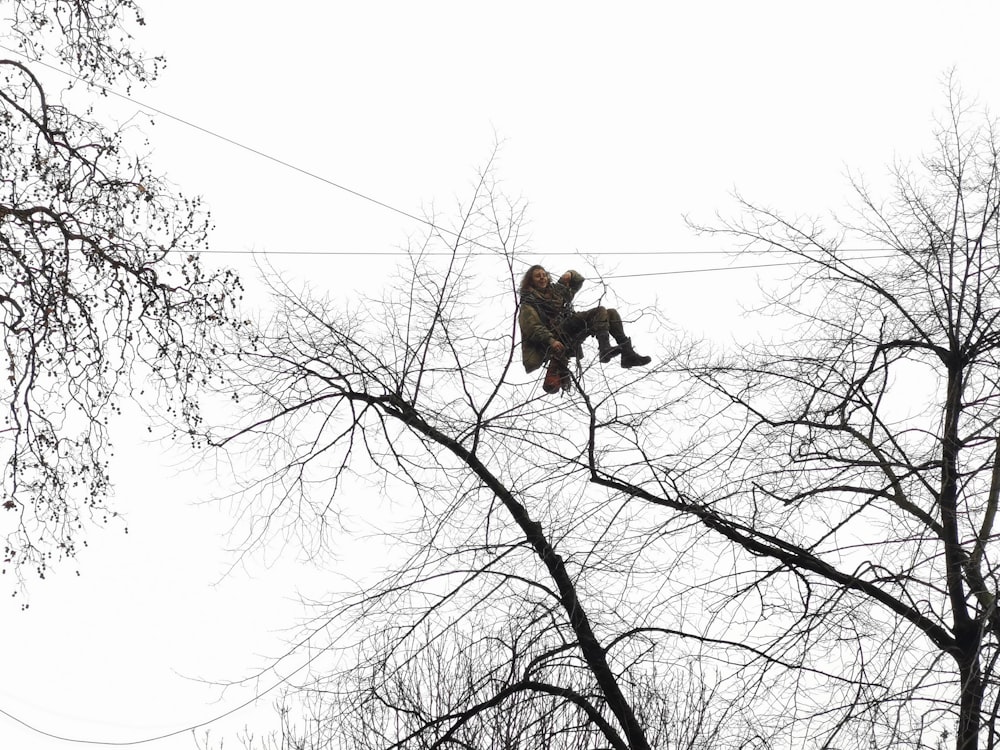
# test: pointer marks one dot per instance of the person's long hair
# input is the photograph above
(526, 282)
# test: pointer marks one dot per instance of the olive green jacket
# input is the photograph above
(539, 317)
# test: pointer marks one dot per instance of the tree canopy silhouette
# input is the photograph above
(809, 521)
(97, 274)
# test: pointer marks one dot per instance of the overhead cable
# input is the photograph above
(389, 207)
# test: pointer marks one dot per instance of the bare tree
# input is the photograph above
(96, 274)
(437, 699)
(92, 38)
(516, 587)
(810, 520)
(863, 457)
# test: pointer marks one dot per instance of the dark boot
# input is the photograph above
(630, 358)
(605, 351)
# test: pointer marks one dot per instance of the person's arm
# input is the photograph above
(533, 330)
(572, 280)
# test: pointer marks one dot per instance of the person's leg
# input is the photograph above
(629, 356)
(574, 327)
(594, 323)
(615, 326)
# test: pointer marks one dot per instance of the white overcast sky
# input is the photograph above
(616, 120)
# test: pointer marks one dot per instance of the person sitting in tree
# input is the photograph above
(551, 331)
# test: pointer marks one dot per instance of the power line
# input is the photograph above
(575, 254)
(729, 268)
(240, 145)
(401, 212)
(146, 740)
(676, 272)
